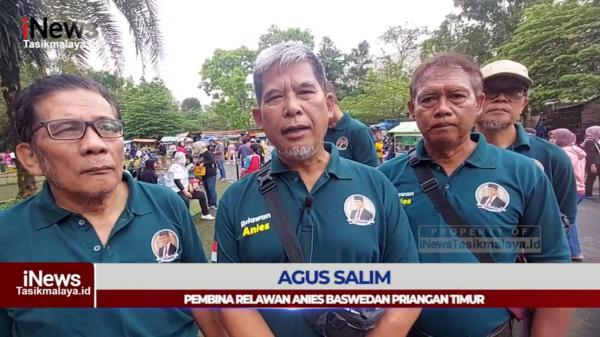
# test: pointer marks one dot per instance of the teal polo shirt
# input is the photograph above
(353, 140)
(37, 230)
(332, 230)
(557, 166)
(525, 197)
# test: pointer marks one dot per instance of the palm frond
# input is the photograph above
(144, 25)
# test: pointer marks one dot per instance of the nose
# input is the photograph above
(443, 108)
(501, 98)
(92, 143)
(292, 106)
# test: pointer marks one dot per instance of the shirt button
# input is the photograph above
(97, 248)
(447, 186)
(295, 179)
(81, 222)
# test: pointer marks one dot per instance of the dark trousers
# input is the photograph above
(198, 195)
(210, 186)
(221, 166)
(590, 180)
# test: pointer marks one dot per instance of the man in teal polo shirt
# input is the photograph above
(319, 191)
(505, 84)
(89, 210)
(495, 191)
(352, 138)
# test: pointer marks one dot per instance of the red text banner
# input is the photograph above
(347, 298)
(47, 285)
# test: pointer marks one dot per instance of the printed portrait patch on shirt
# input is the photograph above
(492, 197)
(359, 210)
(165, 244)
(341, 143)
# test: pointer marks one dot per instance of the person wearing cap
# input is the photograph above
(505, 84)
(495, 191)
(352, 138)
(317, 188)
(90, 210)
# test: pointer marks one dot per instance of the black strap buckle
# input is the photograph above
(265, 181)
(429, 185)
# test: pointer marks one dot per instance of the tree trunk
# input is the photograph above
(11, 85)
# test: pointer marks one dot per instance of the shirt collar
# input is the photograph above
(51, 213)
(522, 141)
(481, 156)
(336, 166)
(343, 122)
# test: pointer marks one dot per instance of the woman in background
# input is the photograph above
(566, 140)
(177, 179)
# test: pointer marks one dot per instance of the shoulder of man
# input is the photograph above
(395, 166)
(15, 215)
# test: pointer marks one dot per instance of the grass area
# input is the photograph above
(206, 228)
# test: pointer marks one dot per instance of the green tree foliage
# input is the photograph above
(333, 60)
(359, 62)
(385, 94)
(275, 35)
(140, 16)
(481, 27)
(147, 111)
(113, 82)
(405, 43)
(560, 45)
(226, 78)
(191, 105)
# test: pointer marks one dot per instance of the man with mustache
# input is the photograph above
(317, 188)
(90, 210)
(505, 84)
(446, 96)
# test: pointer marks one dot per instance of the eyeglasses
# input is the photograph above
(512, 93)
(71, 129)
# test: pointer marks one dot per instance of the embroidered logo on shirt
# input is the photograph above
(359, 210)
(341, 143)
(165, 244)
(492, 197)
(405, 198)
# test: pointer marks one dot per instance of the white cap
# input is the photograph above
(506, 68)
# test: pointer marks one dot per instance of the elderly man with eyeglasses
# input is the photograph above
(90, 210)
(505, 84)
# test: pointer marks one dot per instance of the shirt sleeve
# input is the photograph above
(225, 236)
(5, 324)
(564, 184)
(363, 147)
(400, 243)
(192, 251)
(542, 212)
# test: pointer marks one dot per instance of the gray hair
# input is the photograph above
(285, 54)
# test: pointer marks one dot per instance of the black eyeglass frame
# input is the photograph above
(86, 124)
(523, 93)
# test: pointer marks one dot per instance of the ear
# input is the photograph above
(257, 117)
(479, 100)
(411, 109)
(331, 102)
(525, 103)
(29, 159)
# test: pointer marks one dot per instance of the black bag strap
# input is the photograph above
(289, 240)
(430, 186)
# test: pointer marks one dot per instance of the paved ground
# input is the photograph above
(586, 322)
